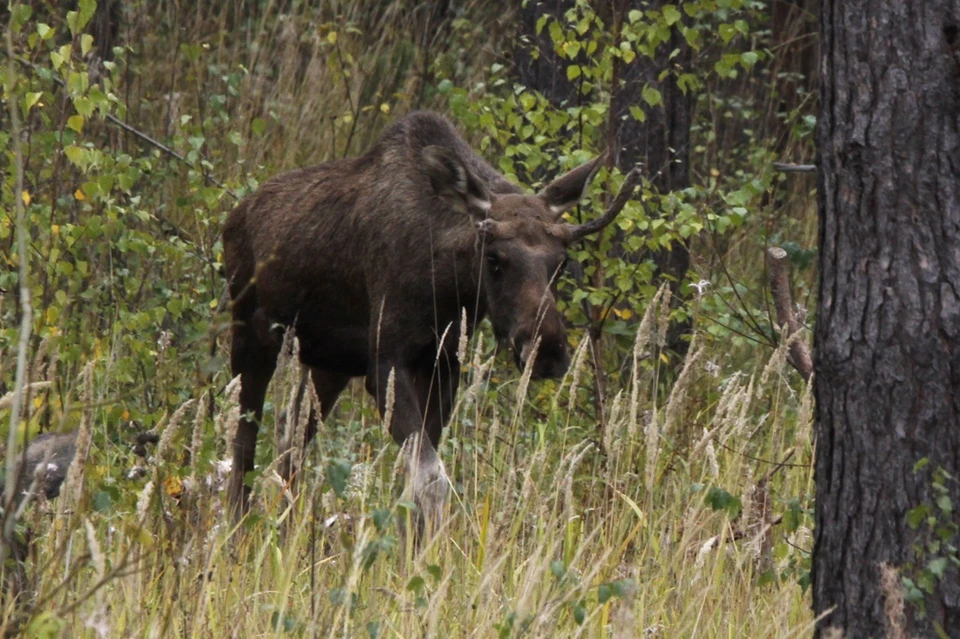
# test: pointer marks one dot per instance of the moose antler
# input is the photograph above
(574, 232)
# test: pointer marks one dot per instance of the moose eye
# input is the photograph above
(493, 261)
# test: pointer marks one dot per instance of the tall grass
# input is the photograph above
(548, 532)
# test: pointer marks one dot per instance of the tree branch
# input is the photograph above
(142, 136)
(785, 167)
(780, 288)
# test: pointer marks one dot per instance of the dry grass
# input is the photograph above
(537, 525)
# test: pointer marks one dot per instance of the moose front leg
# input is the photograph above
(426, 478)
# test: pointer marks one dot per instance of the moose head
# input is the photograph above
(523, 246)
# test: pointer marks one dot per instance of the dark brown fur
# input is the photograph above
(372, 260)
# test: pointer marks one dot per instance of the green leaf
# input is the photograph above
(259, 125)
(558, 569)
(75, 122)
(83, 106)
(915, 516)
(77, 20)
(938, 567)
(337, 474)
(28, 101)
(945, 504)
(727, 32)
(416, 584)
(670, 14)
(20, 13)
(556, 33)
(719, 499)
(573, 72)
(624, 588)
(579, 613)
(651, 96)
(77, 155)
(86, 43)
(604, 592)
(748, 59)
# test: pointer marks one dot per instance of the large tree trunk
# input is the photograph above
(888, 328)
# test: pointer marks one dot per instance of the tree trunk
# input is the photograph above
(887, 380)
(661, 143)
(793, 25)
(543, 71)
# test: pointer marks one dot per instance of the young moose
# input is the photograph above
(371, 261)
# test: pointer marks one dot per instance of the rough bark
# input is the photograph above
(887, 361)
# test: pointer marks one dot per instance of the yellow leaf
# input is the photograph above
(75, 122)
(125, 415)
(173, 486)
(623, 313)
(55, 229)
(332, 37)
(714, 173)
(663, 357)
(213, 303)
(385, 108)
(79, 195)
(37, 402)
(26, 197)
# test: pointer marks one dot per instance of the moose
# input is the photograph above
(372, 260)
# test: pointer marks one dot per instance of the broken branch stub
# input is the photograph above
(780, 289)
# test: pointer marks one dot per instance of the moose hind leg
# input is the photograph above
(328, 386)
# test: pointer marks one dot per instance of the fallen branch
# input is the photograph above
(780, 288)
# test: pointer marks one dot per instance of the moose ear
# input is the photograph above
(453, 182)
(566, 191)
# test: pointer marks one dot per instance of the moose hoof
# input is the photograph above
(430, 499)
(427, 484)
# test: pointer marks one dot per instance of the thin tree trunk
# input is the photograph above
(537, 64)
(661, 143)
(887, 380)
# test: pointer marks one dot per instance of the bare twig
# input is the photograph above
(780, 288)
